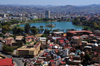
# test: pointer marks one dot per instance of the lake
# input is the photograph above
(58, 25)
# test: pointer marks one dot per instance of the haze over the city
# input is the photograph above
(50, 2)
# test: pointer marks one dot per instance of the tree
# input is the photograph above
(33, 27)
(5, 28)
(14, 21)
(43, 35)
(17, 30)
(96, 26)
(85, 28)
(5, 23)
(47, 32)
(20, 31)
(27, 28)
(0, 26)
(34, 31)
(24, 39)
(7, 48)
(1, 35)
(14, 30)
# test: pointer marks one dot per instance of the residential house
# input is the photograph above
(78, 33)
(30, 38)
(19, 38)
(10, 41)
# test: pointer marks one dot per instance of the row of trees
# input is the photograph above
(27, 29)
(41, 19)
(17, 30)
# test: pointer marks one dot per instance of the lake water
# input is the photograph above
(58, 25)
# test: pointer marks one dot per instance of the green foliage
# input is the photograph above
(85, 28)
(35, 43)
(86, 40)
(47, 32)
(24, 39)
(95, 25)
(14, 21)
(40, 19)
(43, 35)
(27, 28)
(33, 27)
(17, 30)
(29, 42)
(5, 23)
(1, 35)
(34, 31)
(90, 23)
(7, 48)
(0, 25)
(55, 30)
(5, 28)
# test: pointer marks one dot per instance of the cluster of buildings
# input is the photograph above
(11, 41)
(63, 49)
(6, 17)
(59, 49)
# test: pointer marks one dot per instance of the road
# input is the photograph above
(15, 59)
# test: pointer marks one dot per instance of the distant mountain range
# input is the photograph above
(52, 5)
(31, 5)
(94, 8)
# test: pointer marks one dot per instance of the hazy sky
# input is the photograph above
(50, 2)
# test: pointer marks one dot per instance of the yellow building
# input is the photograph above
(29, 50)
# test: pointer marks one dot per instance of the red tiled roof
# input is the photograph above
(67, 41)
(61, 42)
(61, 38)
(51, 60)
(62, 62)
(74, 32)
(8, 42)
(6, 62)
(30, 37)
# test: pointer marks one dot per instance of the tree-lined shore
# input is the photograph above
(93, 24)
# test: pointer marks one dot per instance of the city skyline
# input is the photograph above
(50, 2)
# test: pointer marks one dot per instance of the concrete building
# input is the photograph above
(29, 50)
(58, 34)
(77, 39)
(34, 17)
(78, 33)
(64, 18)
(47, 14)
(42, 39)
(4, 15)
(97, 32)
(19, 38)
